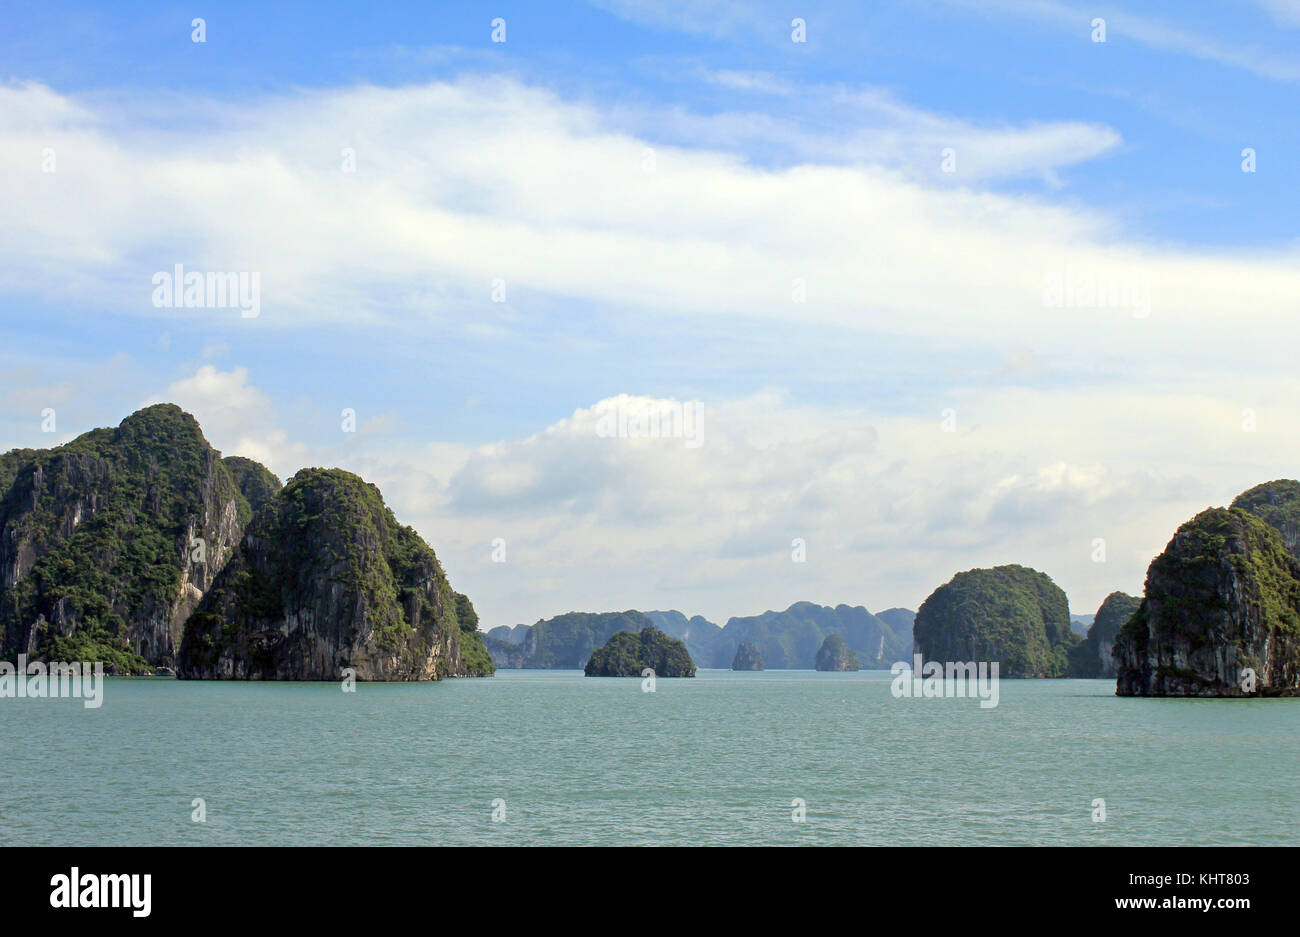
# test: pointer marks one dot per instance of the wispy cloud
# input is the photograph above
(834, 123)
(1154, 32)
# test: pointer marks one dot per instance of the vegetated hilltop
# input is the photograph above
(1010, 614)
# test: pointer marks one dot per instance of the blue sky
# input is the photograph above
(647, 181)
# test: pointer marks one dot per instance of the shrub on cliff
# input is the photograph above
(1276, 503)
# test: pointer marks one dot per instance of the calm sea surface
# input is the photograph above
(714, 760)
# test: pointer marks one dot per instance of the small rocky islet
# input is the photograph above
(748, 657)
(1011, 614)
(631, 654)
(836, 655)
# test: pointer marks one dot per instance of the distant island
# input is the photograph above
(783, 640)
(564, 642)
(1093, 657)
(630, 654)
(834, 654)
(748, 657)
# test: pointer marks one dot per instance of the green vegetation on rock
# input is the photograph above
(627, 654)
(1010, 614)
(1277, 503)
(1223, 597)
(255, 481)
(473, 652)
(900, 619)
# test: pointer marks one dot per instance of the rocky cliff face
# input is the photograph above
(1224, 596)
(326, 579)
(1010, 614)
(747, 657)
(108, 543)
(506, 655)
(627, 654)
(834, 654)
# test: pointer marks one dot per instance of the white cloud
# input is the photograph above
(459, 184)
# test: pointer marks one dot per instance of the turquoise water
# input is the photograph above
(714, 760)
